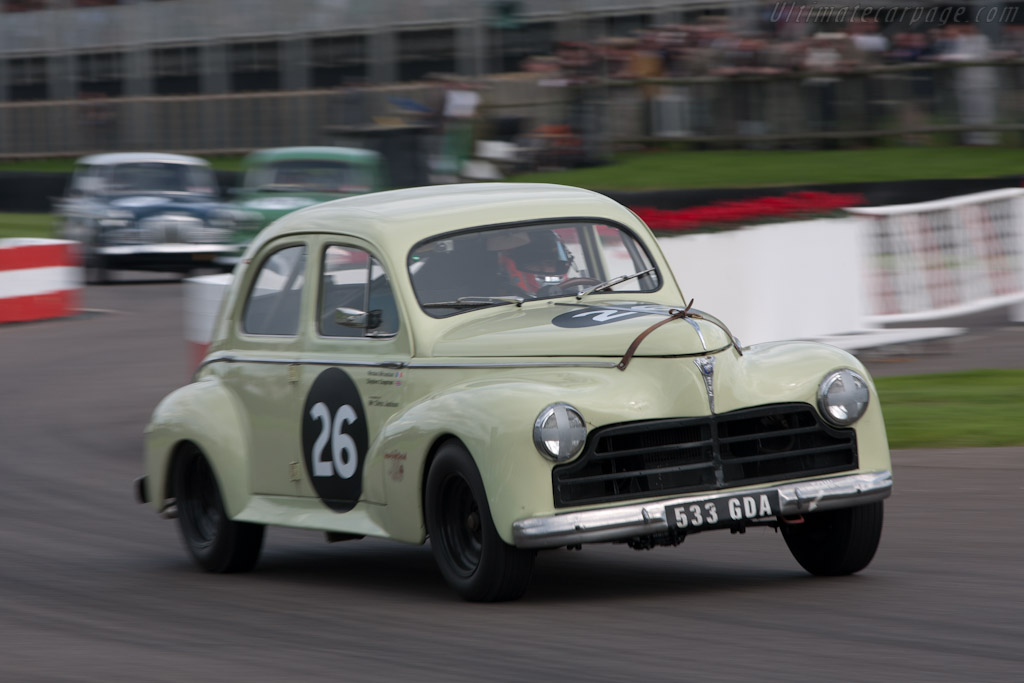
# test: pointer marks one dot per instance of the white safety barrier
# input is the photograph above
(801, 280)
(39, 279)
(949, 257)
(202, 299)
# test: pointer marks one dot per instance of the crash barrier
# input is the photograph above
(853, 281)
(910, 102)
(39, 279)
(202, 298)
(954, 256)
(798, 280)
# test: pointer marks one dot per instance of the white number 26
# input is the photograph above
(344, 456)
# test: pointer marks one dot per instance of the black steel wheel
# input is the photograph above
(836, 542)
(467, 548)
(216, 543)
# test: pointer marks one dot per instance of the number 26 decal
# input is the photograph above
(344, 454)
(335, 439)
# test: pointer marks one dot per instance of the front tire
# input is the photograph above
(836, 542)
(96, 270)
(467, 548)
(216, 543)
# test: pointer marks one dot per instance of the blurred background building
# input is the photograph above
(569, 79)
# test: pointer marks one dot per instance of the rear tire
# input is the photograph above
(836, 542)
(467, 548)
(216, 543)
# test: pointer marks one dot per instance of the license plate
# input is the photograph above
(202, 256)
(724, 511)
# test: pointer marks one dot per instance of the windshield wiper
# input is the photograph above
(608, 284)
(473, 301)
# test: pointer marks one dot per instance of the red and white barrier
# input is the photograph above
(39, 279)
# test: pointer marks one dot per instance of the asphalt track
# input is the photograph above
(94, 587)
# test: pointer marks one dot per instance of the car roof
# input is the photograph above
(398, 219)
(112, 158)
(312, 152)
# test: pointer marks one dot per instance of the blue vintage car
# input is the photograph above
(150, 211)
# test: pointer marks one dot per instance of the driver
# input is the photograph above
(542, 261)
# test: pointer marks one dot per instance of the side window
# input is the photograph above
(355, 281)
(85, 181)
(276, 296)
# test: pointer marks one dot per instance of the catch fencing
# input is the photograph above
(917, 103)
(938, 259)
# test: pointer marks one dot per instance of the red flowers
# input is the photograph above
(728, 214)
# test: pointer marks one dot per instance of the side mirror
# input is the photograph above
(353, 317)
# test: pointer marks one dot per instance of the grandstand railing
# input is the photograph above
(920, 103)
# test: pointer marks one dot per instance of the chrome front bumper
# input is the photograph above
(645, 519)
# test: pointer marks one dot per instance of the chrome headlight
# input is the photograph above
(559, 432)
(843, 397)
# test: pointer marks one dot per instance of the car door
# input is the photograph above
(352, 378)
(268, 340)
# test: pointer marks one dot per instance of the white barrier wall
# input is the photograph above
(202, 297)
(800, 280)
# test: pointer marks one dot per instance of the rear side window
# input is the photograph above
(274, 301)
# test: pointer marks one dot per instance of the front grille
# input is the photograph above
(665, 457)
(174, 228)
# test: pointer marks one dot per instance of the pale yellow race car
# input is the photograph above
(502, 369)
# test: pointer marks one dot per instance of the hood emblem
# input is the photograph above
(706, 365)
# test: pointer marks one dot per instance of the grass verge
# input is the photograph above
(26, 225)
(975, 409)
(681, 169)
(657, 170)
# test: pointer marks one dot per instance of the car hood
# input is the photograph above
(142, 205)
(273, 206)
(560, 328)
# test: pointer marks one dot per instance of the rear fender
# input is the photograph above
(206, 414)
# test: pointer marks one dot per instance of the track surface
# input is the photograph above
(94, 587)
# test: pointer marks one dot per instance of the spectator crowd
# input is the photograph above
(781, 74)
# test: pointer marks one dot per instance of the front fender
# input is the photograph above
(493, 417)
(208, 415)
(780, 372)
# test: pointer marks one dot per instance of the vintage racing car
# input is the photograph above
(150, 211)
(280, 180)
(501, 369)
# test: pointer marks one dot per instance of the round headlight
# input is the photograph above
(559, 432)
(843, 397)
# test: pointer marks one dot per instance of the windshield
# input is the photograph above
(158, 177)
(303, 175)
(492, 267)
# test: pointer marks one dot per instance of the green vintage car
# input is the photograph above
(503, 369)
(280, 180)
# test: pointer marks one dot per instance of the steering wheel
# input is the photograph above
(570, 286)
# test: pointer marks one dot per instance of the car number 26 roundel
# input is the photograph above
(334, 439)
